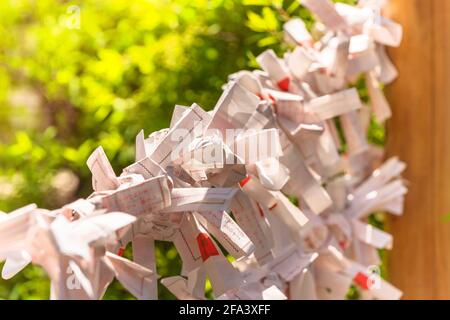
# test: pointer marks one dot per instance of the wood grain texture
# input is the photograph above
(419, 133)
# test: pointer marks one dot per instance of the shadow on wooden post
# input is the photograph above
(419, 133)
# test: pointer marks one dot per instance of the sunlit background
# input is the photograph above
(78, 74)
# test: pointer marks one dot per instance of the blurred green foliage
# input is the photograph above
(78, 74)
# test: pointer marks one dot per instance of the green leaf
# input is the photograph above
(257, 2)
(256, 22)
(252, 63)
(270, 19)
(294, 6)
(267, 41)
(278, 3)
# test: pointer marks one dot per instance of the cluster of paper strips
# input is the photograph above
(228, 177)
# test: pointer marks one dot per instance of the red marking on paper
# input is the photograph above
(361, 280)
(343, 244)
(120, 251)
(271, 98)
(283, 84)
(244, 181)
(261, 212)
(206, 246)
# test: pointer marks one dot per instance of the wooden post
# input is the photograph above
(419, 133)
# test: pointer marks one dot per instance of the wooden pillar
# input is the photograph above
(419, 133)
